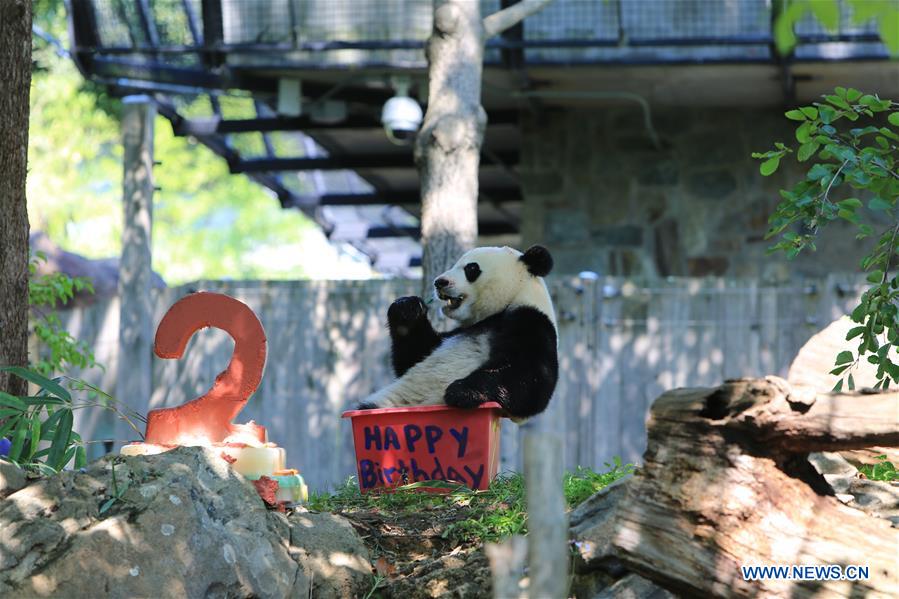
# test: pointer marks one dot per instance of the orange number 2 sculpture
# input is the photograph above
(208, 418)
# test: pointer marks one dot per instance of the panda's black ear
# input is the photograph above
(538, 260)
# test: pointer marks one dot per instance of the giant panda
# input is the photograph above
(504, 350)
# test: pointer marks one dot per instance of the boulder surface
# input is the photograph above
(179, 524)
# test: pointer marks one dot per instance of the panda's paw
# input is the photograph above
(405, 312)
(461, 395)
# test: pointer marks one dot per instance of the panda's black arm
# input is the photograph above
(411, 334)
(522, 370)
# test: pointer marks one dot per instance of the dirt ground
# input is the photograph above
(415, 560)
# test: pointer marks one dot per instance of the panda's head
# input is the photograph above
(486, 281)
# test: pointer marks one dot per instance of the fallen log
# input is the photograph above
(726, 483)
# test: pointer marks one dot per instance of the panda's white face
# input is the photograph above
(486, 281)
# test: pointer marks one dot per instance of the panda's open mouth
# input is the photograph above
(452, 301)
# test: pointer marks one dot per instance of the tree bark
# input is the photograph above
(15, 87)
(448, 146)
(726, 483)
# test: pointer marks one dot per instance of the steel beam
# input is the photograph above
(413, 196)
(484, 228)
(346, 161)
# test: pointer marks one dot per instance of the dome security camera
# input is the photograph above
(401, 116)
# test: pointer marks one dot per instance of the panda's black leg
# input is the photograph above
(411, 334)
(470, 392)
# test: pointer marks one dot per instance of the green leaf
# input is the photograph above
(107, 504)
(60, 442)
(35, 436)
(803, 134)
(38, 379)
(887, 132)
(839, 102)
(875, 276)
(8, 425)
(18, 439)
(838, 387)
(850, 203)
(795, 115)
(769, 166)
(819, 172)
(844, 357)
(810, 112)
(807, 150)
(828, 13)
(12, 401)
(80, 457)
(877, 204)
(854, 332)
(49, 428)
(851, 383)
(70, 453)
(826, 114)
(847, 215)
(889, 30)
(894, 119)
(839, 369)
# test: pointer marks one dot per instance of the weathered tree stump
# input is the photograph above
(726, 483)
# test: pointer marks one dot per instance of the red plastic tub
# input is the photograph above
(398, 446)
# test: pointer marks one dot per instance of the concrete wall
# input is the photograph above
(603, 198)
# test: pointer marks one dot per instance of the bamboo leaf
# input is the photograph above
(35, 436)
(60, 440)
(12, 401)
(18, 440)
(39, 380)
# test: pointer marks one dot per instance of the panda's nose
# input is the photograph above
(441, 283)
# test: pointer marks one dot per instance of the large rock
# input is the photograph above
(812, 365)
(183, 524)
(331, 553)
(12, 478)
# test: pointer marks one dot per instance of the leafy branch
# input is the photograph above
(59, 349)
(40, 426)
(850, 140)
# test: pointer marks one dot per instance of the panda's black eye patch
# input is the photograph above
(472, 271)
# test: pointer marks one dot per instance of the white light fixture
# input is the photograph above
(401, 115)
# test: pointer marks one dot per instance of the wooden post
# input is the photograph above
(507, 561)
(134, 364)
(547, 521)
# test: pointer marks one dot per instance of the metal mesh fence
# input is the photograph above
(393, 31)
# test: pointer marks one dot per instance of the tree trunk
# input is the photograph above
(15, 87)
(448, 147)
(726, 483)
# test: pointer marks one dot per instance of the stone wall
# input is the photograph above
(603, 198)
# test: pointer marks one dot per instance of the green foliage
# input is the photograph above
(850, 144)
(207, 223)
(827, 12)
(883, 470)
(59, 350)
(583, 482)
(40, 426)
(117, 491)
(489, 515)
